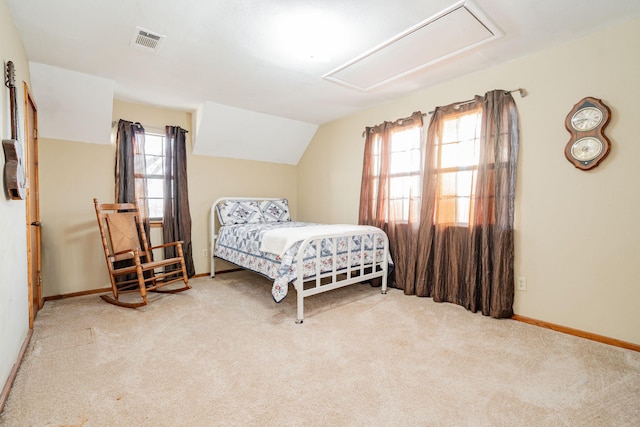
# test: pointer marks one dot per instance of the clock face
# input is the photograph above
(586, 119)
(586, 149)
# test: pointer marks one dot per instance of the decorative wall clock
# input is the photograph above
(588, 144)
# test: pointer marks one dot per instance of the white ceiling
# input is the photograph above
(268, 57)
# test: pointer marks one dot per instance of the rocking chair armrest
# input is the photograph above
(166, 245)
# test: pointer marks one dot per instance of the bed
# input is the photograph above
(258, 234)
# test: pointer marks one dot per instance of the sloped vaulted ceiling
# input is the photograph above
(72, 106)
(261, 63)
(224, 131)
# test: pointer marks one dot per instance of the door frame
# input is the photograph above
(34, 255)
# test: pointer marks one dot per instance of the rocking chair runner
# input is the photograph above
(129, 257)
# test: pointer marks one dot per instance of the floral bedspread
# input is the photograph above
(240, 244)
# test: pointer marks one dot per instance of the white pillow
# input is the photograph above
(239, 212)
(275, 210)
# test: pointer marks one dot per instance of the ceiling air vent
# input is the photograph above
(147, 40)
(454, 30)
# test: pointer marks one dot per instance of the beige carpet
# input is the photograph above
(224, 353)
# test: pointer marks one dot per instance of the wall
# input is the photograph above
(577, 233)
(14, 286)
(72, 174)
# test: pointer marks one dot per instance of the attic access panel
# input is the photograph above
(457, 29)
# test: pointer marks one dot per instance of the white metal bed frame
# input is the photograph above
(338, 279)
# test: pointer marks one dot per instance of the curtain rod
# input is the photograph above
(152, 129)
(523, 93)
(114, 123)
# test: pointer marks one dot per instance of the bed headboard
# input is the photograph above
(243, 210)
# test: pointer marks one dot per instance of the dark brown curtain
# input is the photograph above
(130, 167)
(129, 183)
(472, 265)
(177, 217)
(378, 207)
(468, 263)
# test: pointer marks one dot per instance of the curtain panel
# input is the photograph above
(468, 264)
(128, 177)
(377, 208)
(130, 167)
(176, 223)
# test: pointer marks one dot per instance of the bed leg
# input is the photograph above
(212, 263)
(300, 299)
(383, 291)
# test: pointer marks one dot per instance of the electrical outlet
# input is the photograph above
(521, 283)
(204, 253)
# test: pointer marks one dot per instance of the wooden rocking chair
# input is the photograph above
(129, 257)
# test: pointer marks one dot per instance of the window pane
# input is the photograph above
(460, 141)
(467, 126)
(450, 131)
(468, 152)
(153, 174)
(406, 139)
(463, 184)
(397, 210)
(404, 162)
(376, 165)
(154, 165)
(414, 182)
(155, 187)
(455, 192)
(398, 187)
(462, 210)
(460, 154)
(448, 184)
(156, 208)
(459, 149)
(405, 151)
(448, 155)
(153, 144)
(414, 208)
(402, 186)
(445, 210)
(377, 142)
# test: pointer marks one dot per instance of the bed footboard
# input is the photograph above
(361, 264)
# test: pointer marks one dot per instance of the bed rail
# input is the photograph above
(377, 265)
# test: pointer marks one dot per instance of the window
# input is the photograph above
(457, 160)
(466, 170)
(404, 172)
(153, 176)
